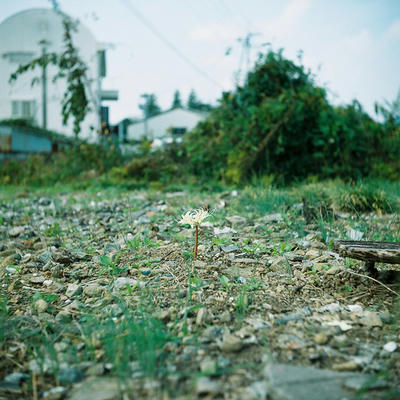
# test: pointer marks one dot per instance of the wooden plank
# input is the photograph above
(385, 252)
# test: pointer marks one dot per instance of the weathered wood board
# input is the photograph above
(383, 252)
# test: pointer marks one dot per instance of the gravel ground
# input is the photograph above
(101, 299)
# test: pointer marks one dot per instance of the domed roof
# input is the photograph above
(22, 32)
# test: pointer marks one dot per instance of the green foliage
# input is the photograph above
(362, 196)
(366, 198)
(162, 165)
(177, 102)
(280, 123)
(75, 102)
(84, 161)
(193, 103)
(150, 107)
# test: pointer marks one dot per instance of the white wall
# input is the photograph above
(157, 127)
(21, 33)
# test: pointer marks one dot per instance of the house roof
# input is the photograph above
(139, 121)
(35, 131)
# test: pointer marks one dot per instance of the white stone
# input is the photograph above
(354, 308)
(332, 307)
(122, 282)
(41, 305)
(390, 347)
(353, 234)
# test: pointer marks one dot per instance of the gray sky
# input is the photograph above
(158, 46)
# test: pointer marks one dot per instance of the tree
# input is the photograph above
(75, 101)
(280, 123)
(177, 102)
(150, 107)
(193, 103)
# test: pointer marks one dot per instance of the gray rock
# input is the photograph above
(16, 231)
(294, 257)
(96, 388)
(63, 256)
(202, 316)
(225, 317)
(199, 264)
(333, 270)
(205, 385)
(304, 244)
(16, 378)
(95, 370)
(386, 317)
(256, 391)
(332, 307)
(236, 220)
(229, 249)
(111, 248)
(321, 338)
(212, 333)
(122, 283)
(37, 279)
(55, 393)
(74, 306)
(289, 382)
(69, 375)
(73, 290)
(354, 234)
(208, 366)
(296, 316)
(279, 265)
(359, 382)
(354, 308)
(93, 289)
(45, 257)
(40, 306)
(230, 343)
(371, 319)
(246, 261)
(270, 218)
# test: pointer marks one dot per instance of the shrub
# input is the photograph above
(280, 123)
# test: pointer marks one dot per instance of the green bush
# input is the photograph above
(280, 123)
(366, 198)
(84, 161)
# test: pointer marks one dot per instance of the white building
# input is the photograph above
(172, 124)
(23, 37)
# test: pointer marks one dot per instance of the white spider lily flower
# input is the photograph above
(194, 218)
(187, 219)
(200, 215)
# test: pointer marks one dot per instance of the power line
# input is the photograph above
(239, 15)
(167, 42)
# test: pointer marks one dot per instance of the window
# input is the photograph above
(19, 57)
(178, 131)
(23, 109)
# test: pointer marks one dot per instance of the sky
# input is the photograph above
(159, 46)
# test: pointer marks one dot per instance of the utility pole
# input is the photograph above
(146, 97)
(43, 43)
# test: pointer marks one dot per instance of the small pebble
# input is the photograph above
(321, 338)
(390, 347)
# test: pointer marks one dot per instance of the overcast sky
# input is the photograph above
(159, 46)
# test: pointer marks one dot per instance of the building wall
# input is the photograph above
(15, 140)
(157, 127)
(20, 35)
